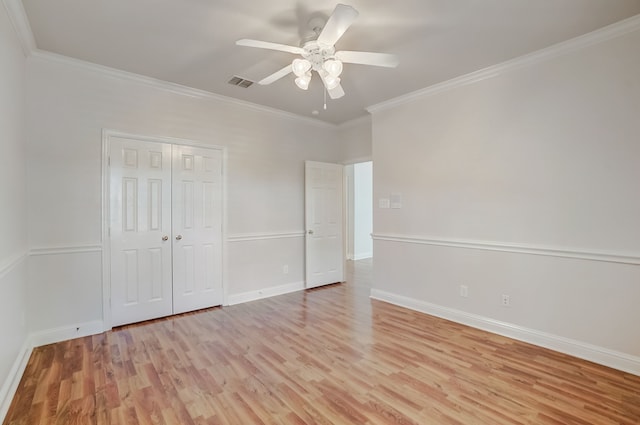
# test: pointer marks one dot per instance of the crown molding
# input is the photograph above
(365, 119)
(601, 35)
(171, 87)
(20, 22)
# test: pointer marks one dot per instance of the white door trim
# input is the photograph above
(107, 134)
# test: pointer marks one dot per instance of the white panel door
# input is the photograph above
(197, 228)
(324, 224)
(140, 227)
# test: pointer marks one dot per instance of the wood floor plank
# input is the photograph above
(325, 356)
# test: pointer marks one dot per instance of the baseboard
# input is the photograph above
(603, 356)
(10, 385)
(63, 333)
(363, 256)
(36, 339)
(259, 294)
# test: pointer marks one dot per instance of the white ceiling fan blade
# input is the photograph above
(335, 93)
(339, 21)
(272, 46)
(368, 58)
(276, 76)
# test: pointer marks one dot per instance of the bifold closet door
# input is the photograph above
(165, 206)
(140, 229)
(197, 228)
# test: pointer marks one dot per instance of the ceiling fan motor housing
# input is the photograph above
(315, 26)
(317, 54)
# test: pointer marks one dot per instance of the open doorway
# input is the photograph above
(359, 206)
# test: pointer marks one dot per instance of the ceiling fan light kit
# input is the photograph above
(319, 54)
(333, 67)
(300, 67)
(330, 81)
(303, 81)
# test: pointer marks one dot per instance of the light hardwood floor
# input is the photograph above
(325, 356)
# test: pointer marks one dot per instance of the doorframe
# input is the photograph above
(107, 134)
(345, 200)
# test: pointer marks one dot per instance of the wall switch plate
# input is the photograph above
(396, 200)
(464, 291)
(383, 203)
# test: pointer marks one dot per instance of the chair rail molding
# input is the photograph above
(8, 264)
(244, 237)
(550, 251)
(69, 249)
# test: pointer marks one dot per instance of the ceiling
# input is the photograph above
(192, 42)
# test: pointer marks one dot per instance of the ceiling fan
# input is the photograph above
(319, 54)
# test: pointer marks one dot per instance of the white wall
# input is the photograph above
(69, 104)
(355, 140)
(13, 208)
(504, 178)
(363, 210)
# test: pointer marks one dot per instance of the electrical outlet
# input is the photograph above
(464, 291)
(506, 300)
(285, 269)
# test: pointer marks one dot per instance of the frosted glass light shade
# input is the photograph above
(333, 67)
(331, 82)
(300, 67)
(303, 81)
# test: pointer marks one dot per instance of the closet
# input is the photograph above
(165, 228)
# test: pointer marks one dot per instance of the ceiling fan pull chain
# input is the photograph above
(325, 98)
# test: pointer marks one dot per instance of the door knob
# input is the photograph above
(310, 232)
(165, 238)
(178, 237)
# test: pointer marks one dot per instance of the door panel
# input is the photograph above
(140, 214)
(166, 229)
(323, 217)
(197, 228)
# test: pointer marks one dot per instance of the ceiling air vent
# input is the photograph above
(237, 81)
